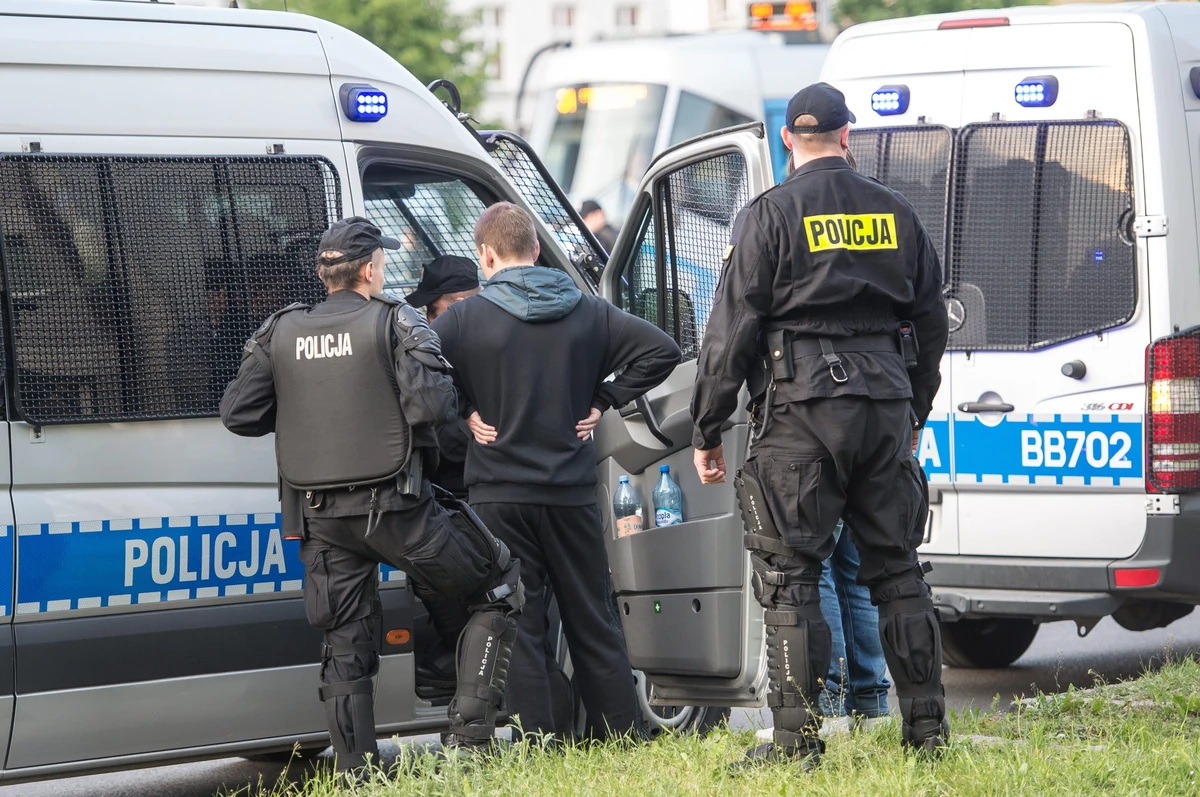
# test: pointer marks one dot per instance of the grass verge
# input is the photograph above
(1140, 737)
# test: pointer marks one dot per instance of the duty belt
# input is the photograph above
(829, 347)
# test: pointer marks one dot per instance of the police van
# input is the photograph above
(165, 174)
(1054, 155)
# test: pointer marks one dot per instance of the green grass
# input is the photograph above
(1140, 737)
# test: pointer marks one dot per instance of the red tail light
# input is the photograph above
(1144, 577)
(974, 22)
(1173, 421)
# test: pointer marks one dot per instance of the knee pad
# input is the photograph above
(798, 650)
(484, 655)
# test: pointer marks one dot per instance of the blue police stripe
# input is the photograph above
(111, 563)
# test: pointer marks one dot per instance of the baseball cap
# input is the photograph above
(444, 274)
(355, 238)
(824, 102)
(588, 207)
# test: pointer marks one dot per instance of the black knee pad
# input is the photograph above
(484, 657)
(798, 651)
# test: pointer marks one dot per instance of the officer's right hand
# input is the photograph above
(483, 433)
(710, 465)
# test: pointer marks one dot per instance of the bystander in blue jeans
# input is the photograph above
(857, 683)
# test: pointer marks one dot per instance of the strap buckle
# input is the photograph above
(498, 593)
(845, 377)
(835, 362)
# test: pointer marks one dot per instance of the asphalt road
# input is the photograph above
(1057, 658)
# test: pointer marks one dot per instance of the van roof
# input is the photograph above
(342, 54)
(1029, 15)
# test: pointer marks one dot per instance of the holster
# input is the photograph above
(908, 344)
(408, 481)
(779, 355)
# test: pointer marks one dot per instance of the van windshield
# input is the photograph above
(602, 140)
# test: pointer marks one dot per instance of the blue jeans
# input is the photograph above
(857, 682)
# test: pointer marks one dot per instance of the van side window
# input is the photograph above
(134, 282)
(673, 279)
(429, 214)
(1041, 245)
(695, 116)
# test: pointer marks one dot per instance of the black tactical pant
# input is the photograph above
(564, 546)
(848, 457)
(451, 571)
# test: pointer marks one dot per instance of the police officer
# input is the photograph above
(830, 307)
(354, 388)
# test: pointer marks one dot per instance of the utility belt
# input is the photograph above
(784, 348)
(408, 483)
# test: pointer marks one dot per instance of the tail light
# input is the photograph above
(973, 22)
(1173, 422)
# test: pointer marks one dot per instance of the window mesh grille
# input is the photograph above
(914, 161)
(1041, 246)
(512, 155)
(132, 283)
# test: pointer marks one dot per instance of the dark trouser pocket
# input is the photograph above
(318, 597)
(912, 496)
(912, 640)
(794, 487)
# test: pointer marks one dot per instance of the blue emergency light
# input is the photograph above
(890, 100)
(363, 103)
(1037, 92)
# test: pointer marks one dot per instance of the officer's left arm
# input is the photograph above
(928, 316)
(742, 300)
(427, 394)
(248, 406)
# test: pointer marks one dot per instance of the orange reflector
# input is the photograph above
(398, 636)
(762, 10)
(1145, 577)
(976, 22)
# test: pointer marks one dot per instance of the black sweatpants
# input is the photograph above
(565, 545)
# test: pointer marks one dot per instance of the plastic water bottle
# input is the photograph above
(668, 499)
(627, 509)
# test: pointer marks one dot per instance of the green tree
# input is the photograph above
(425, 36)
(854, 11)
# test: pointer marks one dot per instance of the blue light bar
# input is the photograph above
(1037, 92)
(362, 103)
(890, 100)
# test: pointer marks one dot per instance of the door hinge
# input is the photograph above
(1150, 226)
(1162, 505)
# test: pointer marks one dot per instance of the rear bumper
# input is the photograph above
(1059, 589)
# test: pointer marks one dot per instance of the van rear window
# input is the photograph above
(915, 161)
(1040, 244)
(132, 283)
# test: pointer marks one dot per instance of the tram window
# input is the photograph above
(695, 116)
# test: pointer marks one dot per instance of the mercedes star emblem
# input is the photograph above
(956, 313)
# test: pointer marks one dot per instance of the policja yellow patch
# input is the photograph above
(857, 231)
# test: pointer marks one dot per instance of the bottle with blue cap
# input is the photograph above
(627, 508)
(668, 499)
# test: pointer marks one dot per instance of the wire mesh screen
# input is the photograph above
(513, 156)
(134, 282)
(698, 204)
(916, 162)
(1041, 249)
(429, 219)
(639, 288)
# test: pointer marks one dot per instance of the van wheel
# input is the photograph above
(986, 644)
(679, 719)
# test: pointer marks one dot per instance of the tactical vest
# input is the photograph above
(338, 421)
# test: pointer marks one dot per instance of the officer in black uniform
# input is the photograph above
(830, 308)
(354, 389)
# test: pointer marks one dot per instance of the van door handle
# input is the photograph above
(978, 406)
(641, 406)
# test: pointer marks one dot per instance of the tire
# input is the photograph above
(986, 644)
(678, 719)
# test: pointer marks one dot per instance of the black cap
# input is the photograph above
(355, 238)
(824, 102)
(589, 207)
(445, 274)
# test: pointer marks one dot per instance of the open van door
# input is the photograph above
(691, 621)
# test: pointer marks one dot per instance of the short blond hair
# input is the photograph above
(508, 229)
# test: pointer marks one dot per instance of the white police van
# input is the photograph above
(1054, 154)
(165, 173)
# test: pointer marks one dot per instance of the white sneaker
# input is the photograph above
(869, 724)
(834, 726)
(765, 735)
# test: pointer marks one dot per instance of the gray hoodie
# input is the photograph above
(533, 293)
